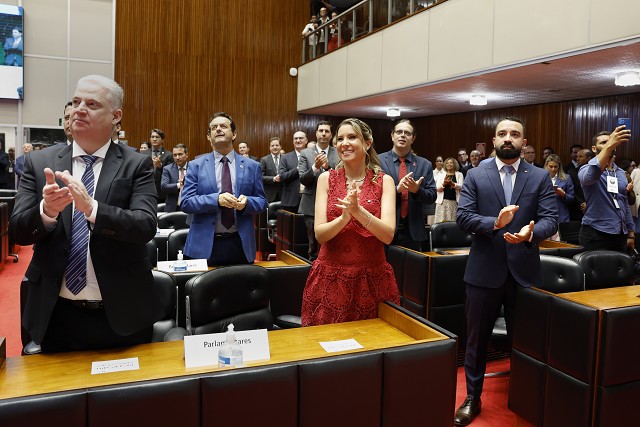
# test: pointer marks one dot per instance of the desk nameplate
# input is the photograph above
(38, 374)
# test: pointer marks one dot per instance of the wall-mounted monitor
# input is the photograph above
(12, 53)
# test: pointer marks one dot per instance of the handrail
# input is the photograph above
(320, 41)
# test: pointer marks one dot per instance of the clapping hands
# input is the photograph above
(349, 204)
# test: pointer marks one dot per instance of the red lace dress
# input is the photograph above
(351, 275)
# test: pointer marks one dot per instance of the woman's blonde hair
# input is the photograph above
(364, 132)
(556, 158)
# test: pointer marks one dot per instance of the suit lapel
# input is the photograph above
(210, 169)
(521, 179)
(110, 167)
(388, 161)
(494, 178)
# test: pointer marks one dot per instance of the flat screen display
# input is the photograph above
(12, 53)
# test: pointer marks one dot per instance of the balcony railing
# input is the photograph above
(362, 19)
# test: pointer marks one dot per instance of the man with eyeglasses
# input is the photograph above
(415, 186)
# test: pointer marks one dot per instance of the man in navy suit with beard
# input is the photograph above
(510, 207)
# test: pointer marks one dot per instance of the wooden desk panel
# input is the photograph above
(604, 299)
(38, 374)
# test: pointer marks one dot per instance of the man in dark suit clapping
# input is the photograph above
(173, 177)
(270, 176)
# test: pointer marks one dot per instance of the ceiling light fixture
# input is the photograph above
(393, 112)
(628, 78)
(478, 100)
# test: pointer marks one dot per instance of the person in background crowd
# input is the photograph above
(448, 188)
(573, 164)
(474, 158)
(88, 209)
(509, 206)
(67, 124)
(144, 147)
(223, 190)
(173, 177)
(11, 169)
(26, 148)
(269, 165)
(438, 173)
(635, 178)
(311, 163)
(463, 161)
(4, 169)
(288, 171)
(160, 158)
(243, 149)
(529, 156)
(562, 186)
(607, 222)
(545, 153)
(312, 38)
(415, 187)
(576, 209)
(354, 219)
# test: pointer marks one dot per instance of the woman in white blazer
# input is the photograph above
(448, 188)
(438, 170)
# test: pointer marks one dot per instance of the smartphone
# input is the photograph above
(624, 121)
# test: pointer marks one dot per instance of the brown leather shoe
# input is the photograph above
(467, 411)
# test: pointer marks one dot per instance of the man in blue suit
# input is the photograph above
(223, 190)
(504, 253)
(415, 189)
(173, 177)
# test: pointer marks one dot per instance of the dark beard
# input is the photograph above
(507, 154)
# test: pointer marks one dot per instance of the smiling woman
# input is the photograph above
(354, 217)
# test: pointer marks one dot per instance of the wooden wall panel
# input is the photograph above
(558, 125)
(179, 61)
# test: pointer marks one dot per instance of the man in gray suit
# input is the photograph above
(312, 162)
(288, 171)
(270, 176)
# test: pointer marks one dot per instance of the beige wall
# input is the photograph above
(64, 40)
(461, 37)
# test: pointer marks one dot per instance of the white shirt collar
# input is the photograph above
(100, 152)
(515, 164)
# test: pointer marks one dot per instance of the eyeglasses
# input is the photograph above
(399, 132)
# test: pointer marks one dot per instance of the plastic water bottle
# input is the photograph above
(230, 354)
(180, 264)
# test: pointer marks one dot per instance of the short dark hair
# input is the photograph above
(601, 133)
(184, 147)
(226, 116)
(514, 119)
(323, 122)
(274, 138)
(68, 104)
(579, 146)
(407, 121)
(158, 131)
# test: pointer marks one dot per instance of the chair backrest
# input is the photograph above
(560, 274)
(167, 289)
(272, 210)
(236, 294)
(161, 207)
(570, 231)
(176, 220)
(176, 242)
(449, 235)
(605, 269)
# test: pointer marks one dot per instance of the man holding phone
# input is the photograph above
(607, 222)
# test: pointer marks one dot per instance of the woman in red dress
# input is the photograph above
(354, 218)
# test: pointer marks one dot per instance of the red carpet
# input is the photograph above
(10, 279)
(494, 397)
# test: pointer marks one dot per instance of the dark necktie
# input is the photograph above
(507, 186)
(181, 179)
(76, 271)
(404, 198)
(227, 216)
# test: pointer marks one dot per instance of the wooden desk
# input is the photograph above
(27, 378)
(603, 299)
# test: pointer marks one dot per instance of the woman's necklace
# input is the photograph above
(358, 181)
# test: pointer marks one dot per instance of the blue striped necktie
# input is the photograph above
(507, 185)
(76, 271)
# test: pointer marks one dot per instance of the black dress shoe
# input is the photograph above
(467, 411)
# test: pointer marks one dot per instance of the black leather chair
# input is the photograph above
(272, 221)
(8, 197)
(237, 294)
(560, 275)
(570, 231)
(168, 292)
(605, 269)
(152, 252)
(176, 220)
(161, 207)
(176, 242)
(447, 235)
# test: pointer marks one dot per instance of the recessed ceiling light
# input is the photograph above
(628, 78)
(393, 112)
(478, 100)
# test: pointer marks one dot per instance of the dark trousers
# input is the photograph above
(481, 310)
(311, 234)
(73, 328)
(403, 236)
(227, 250)
(592, 240)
